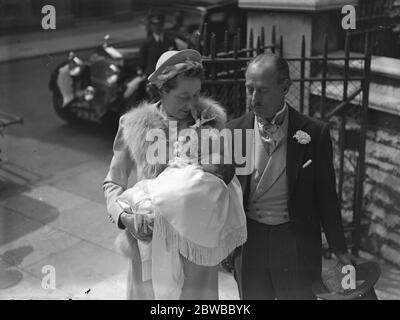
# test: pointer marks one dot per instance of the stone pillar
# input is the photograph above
(293, 19)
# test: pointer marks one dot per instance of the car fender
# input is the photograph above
(53, 77)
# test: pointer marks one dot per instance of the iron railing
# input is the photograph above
(373, 19)
(315, 78)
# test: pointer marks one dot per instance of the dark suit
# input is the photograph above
(312, 201)
(151, 50)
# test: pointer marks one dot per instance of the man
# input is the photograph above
(289, 194)
(155, 45)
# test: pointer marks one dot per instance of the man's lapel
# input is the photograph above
(295, 150)
(261, 157)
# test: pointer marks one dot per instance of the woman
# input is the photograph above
(178, 78)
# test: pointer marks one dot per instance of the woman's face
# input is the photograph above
(177, 102)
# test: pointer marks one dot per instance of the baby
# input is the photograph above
(135, 200)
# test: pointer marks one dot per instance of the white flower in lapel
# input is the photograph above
(302, 137)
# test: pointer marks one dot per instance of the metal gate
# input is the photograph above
(332, 88)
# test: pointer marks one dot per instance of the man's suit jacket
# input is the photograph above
(312, 201)
(151, 50)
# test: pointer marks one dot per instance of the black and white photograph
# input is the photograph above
(201, 150)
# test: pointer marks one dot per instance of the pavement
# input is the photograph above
(52, 209)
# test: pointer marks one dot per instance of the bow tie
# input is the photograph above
(270, 133)
(267, 129)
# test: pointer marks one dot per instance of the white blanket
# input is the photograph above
(196, 215)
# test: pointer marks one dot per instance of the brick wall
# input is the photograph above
(381, 215)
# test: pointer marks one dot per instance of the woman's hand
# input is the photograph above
(145, 222)
(135, 226)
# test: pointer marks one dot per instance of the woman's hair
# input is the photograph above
(195, 70)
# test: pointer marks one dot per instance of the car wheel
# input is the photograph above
(62, 112)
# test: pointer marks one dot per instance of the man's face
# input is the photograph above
(264, 92)
(156, 28)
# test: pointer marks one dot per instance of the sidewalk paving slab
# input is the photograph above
(36, 246)
(76, 172)
(112, 288)
(30, 287)
(39, 157)
(14, 225)
(81, 266)
(92, 180)
(103, 235)
(43, 202)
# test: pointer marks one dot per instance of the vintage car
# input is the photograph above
(102, 87)
(218, 15)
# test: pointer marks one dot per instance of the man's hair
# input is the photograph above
(280, 64)
(196, 72)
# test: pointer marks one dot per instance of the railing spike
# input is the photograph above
(273, 39)
(251, 42)
(205, 39)
(239, 36)
(226, 41)
(213, 48)
(262, 37)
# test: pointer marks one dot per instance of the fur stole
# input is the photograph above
(138, 121)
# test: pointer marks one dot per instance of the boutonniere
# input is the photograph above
(302, 137)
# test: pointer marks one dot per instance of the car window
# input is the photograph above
(217, 17)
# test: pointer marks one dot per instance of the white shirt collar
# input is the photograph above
(158, 37)
(279, 113)
(276, 114)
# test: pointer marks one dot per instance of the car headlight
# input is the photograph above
(113, 72)
(74, 64)
(112, 79)
(89, 93)
(74, 71)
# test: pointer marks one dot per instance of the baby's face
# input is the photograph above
(221, 171)
(200, 146)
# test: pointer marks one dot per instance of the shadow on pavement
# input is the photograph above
(15, 225)
(15, 257)
(10, 277)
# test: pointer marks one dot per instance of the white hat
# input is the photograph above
(171, 58)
